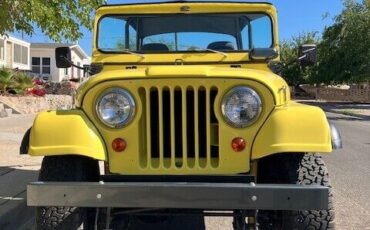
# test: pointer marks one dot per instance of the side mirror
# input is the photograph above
(263, 54)
(307, 54)
(63, 57)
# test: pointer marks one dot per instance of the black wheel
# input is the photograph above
(295, 168)
(239, 223)
(66, 168)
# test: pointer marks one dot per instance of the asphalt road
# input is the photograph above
(349, 169)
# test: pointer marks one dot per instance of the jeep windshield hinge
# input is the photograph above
(179, 61)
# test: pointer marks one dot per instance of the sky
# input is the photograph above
(295, 17)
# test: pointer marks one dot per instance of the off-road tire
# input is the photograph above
(295, 168)
(66, 169)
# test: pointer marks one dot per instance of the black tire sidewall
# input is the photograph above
(67, 168)
(296, 168)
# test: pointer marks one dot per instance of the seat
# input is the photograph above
(221, 45)
(155, 47)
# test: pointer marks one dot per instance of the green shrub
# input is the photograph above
(6, 80)
(22, 83)
(14, 82)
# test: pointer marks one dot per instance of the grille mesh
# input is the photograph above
(180, 125)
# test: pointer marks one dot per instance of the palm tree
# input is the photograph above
(22, 82)
(6, 79)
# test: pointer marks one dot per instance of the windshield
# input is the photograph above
(184, 33)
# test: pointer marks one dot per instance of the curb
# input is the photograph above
(9, 105)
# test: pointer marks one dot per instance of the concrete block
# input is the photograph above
(9, 111)
(3, 113)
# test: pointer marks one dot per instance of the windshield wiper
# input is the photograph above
(133, 53)
(195, 48)
(218, 52)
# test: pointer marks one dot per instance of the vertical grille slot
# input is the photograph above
(190, 126)
(178, 127)
(214, 122)
(208, 126)
(154, 126)
(202, 122)
(166, 103)
(181, 127)
(143, 136)
(148, 127)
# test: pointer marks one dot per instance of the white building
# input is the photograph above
(14, 53)
(44, 65)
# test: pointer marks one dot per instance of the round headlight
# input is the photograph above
(241, 106)
(115, 107)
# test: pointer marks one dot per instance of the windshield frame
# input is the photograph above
(269, 16)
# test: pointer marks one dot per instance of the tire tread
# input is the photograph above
(296, 168)
(64, 168)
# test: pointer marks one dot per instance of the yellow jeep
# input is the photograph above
(187, 111)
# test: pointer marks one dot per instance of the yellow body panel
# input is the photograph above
(65, 133)
(293, 128)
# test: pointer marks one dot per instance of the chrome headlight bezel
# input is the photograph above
(231, 92)
(130, 99)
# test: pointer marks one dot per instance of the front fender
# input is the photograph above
(293, 128)
(65, 133)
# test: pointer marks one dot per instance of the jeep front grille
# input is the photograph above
(180, 126)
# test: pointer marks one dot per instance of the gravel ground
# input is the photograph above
(59, 101)
(32, 105)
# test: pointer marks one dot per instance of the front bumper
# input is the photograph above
(208, 196)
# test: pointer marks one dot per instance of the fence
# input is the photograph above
(335, 94)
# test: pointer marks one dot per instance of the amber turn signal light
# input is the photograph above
(119, 145)
(238, 144)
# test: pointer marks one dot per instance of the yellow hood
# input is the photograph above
(273, 82)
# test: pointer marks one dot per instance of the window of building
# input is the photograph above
(36, 65)
(46, 65)
(41, 65)
(20, 54)
(66, 71)
(2, 49)
(24, 55)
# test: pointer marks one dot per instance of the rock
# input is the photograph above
(9, 111)
(3, 113)
(34, 104)
(61, 88)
